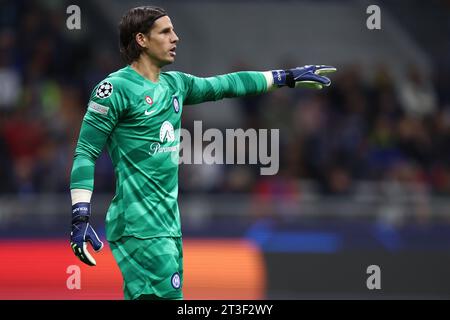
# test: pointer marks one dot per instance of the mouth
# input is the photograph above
(172, 51)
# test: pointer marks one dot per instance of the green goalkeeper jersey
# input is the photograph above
(138, 121)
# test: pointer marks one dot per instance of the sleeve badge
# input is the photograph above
(104, 90)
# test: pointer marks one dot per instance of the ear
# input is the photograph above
(141, 40)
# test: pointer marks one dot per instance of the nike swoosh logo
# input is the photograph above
(147, 113)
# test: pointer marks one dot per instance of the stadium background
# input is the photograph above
(364, 175)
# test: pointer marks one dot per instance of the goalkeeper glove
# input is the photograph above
(310, 76)
(82, 232)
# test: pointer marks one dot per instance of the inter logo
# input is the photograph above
(176, 104)
(176, 281)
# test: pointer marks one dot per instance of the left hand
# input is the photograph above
(309, 76)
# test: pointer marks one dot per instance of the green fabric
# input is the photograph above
(149, 265)
(138, 124)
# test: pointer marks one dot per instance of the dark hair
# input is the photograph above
(139, 19)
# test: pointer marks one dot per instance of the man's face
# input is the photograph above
(162, 41)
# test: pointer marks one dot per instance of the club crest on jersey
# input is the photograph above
(104, 90)
(176, 104)
(149, 100)
(176, 280)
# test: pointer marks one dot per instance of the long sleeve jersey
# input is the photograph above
(138, 121)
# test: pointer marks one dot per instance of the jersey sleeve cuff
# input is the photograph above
(269, 79)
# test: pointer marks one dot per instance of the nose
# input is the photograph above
(175, 37)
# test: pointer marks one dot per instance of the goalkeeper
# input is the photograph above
(135, 112)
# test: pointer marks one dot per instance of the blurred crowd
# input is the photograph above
(383, 129)
(45, 80)
(356, 130)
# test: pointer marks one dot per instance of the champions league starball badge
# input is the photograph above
(104, 90)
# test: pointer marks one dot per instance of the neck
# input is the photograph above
(147, 69)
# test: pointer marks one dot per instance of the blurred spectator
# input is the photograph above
(5, 168)
(10, 84)
(417, 94)
(24, 137)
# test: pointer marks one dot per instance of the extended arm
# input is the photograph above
(237, 84)
(246, 83)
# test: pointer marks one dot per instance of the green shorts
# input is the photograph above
(151, 266)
